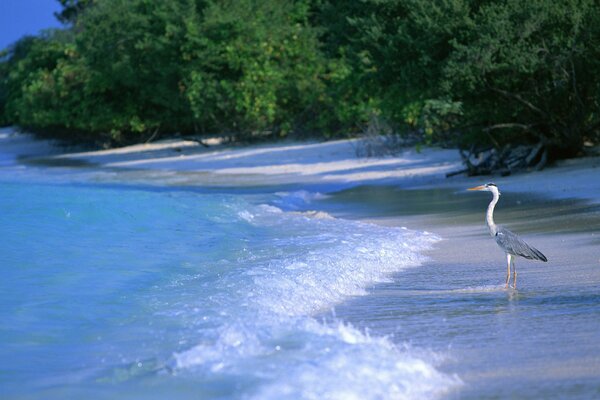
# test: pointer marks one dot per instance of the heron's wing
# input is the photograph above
(513, 244)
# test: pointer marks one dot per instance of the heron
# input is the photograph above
(508, 241)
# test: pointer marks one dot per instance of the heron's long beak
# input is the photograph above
(480, 187)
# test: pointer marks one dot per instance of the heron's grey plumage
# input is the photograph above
(513, 244)
(508, 241)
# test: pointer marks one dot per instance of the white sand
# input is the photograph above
(575, 178)
(332, 163)
(335, 162)
(291, 162)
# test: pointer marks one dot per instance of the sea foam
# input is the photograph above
(294, 270)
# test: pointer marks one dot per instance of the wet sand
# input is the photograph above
(540, 341)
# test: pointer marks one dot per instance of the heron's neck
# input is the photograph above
(490, 213)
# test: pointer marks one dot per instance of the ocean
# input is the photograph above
(152, 292)
(117, 285)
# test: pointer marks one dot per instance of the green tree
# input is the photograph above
(32, 90)
(462, 71)
(257, 66)
(530, 71)
(128, 69)
(488, 72)
(400, 48)
(72, 9)
(132, 54)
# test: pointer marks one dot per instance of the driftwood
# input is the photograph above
(153, 136)
(504, 161)
(197, 140)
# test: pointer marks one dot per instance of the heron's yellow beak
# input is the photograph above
(480, 187)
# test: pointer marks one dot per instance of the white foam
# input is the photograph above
(343, 259)
(336, 361)
(234, 342)
(315, 214)
(245, 215)
(298, 199)
(269, 324)
(481, 289)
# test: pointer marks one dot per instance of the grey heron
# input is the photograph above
(508, 241)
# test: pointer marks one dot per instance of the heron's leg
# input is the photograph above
(508, 262)
(514, 273)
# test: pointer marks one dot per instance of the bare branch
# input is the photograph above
(508, 125)
(520, 100)
(151, 138)
(574, 81)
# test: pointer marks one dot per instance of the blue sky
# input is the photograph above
(25, 17)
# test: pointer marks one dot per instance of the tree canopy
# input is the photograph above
(456, 71)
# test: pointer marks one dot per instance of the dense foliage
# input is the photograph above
(457, 71)
(131, 68)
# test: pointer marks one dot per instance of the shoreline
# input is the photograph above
(529, 343)
(557, 210)
(331, 166)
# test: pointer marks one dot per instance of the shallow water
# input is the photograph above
(146, 292)
(117, 288)
(439, 207)
(538, 342)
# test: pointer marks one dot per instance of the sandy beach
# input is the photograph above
(520, 359)
(332, 164)
(525, 354)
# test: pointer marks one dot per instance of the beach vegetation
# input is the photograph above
(453, 72)
(482, 74)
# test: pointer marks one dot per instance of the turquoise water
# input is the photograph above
(146, 292)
